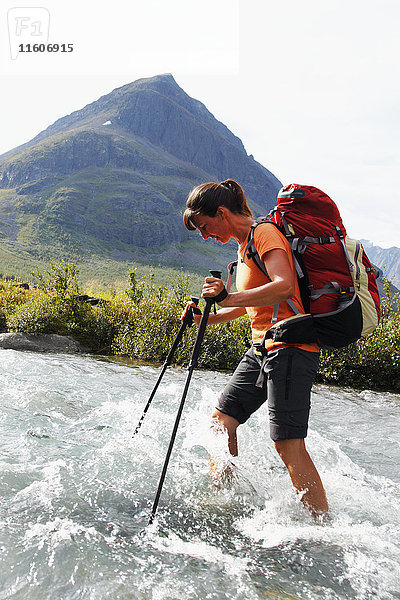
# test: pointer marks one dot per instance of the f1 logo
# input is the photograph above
(30, 24)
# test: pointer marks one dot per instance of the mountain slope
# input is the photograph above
(387, 259)
(112, 178)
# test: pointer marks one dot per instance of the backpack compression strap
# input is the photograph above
(330, 288)
(300, 245)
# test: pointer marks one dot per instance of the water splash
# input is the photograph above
(77, 489)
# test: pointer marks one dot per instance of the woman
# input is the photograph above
(220, 211)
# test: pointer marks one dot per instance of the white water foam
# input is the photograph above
(76, 492)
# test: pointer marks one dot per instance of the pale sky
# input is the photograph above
(312, 87)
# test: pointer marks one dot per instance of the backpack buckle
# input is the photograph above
(259, 349)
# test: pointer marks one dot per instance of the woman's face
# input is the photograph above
(213, 227)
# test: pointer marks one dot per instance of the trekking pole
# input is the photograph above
(191, 367)
(187, 321)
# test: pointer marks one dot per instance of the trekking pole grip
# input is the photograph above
(223, 294)
(192, 310)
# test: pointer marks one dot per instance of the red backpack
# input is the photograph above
(336, 279)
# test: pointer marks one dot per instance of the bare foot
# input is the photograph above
(221, 474)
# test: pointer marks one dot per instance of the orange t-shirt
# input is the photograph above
(266, 238)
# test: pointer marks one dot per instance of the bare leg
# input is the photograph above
(303, 474)
(230, 425)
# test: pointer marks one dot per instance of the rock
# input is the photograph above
(40, 343)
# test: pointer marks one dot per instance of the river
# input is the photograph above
(77, 489)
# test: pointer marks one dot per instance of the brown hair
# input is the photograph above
(205, 199)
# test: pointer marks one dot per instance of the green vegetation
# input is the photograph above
(98, 274)
(142, 320)
(373, 362)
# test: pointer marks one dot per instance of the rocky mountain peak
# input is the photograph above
(116, 173)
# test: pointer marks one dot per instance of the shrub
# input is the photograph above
(12, 295)
(222, 347)
(149, 328)
(61, 278)
(98, 325)
(136, 289)
(372, 362)
(143, 322)
(37, 315)
(3, 321)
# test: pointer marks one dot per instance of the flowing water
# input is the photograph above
(77, 490)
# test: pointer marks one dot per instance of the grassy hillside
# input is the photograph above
(97, 275)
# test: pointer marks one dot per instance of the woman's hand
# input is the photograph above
(213, 287)
(196, 314)
(223, 315)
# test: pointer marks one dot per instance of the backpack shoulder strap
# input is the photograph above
(251, 253)
(250, 249)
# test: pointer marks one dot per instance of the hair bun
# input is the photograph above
(230, 184)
